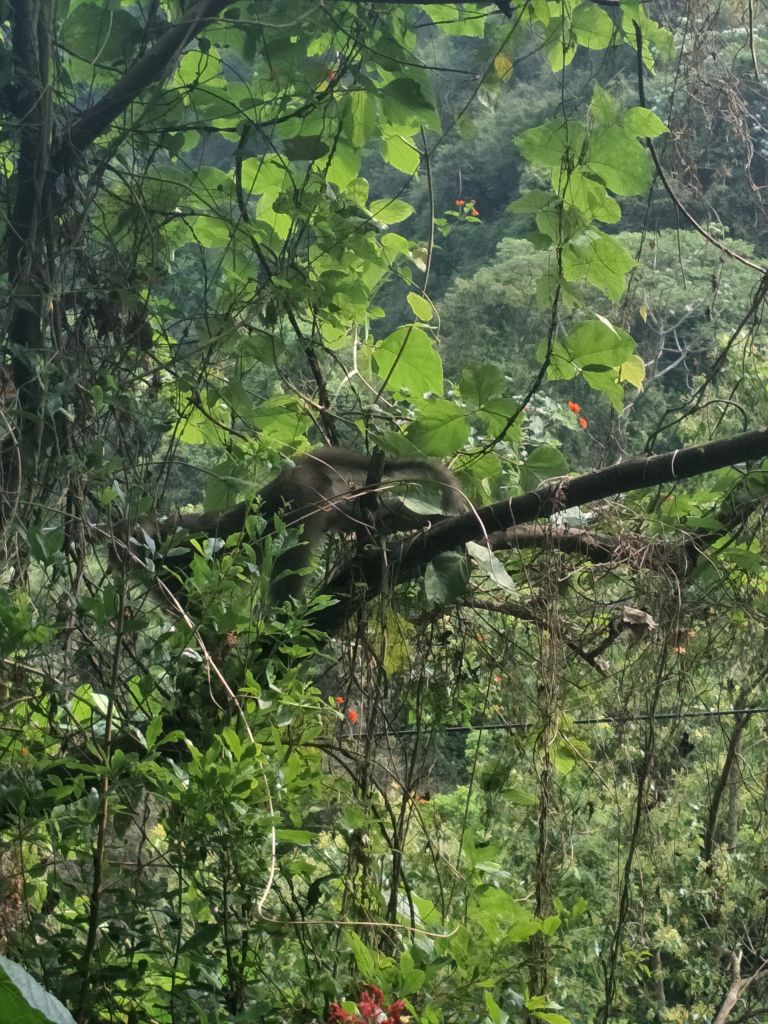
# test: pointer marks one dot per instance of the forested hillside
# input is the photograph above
(383, 449)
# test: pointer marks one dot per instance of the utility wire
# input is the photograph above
(664, 716)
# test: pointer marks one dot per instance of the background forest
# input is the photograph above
(521, 780)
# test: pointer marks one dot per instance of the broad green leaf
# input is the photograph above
(282, 418)
(481, 382)
(522, 930)
(24, 1001)
(550, 924)
(586, 195)
(498, 413)
(407, 104)
(440, 428)
(495, 1012)
(421, 306)
(632, 371)
(602, 106)
(400, 154)
(359, 117)
(94, 33)
(446, 578)
(452, 21)
(407, 361)
(391, 211)
(642, 121)
(344, 166)
(622, 162)
(533, 201)
(364, 957)
(592, 26)
(597, 344)
(606, 382)
(210, 232)
(306, 147)
(544, 463)
(488, 563)
(597, 259)
(548, 143)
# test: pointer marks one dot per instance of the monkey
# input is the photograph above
(318, 493)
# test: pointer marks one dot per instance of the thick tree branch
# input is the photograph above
(738, 986)
(151, 67)
(407, 559)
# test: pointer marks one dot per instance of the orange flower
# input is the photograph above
(583, 423)
(497, 679)
(574, 407)
(339, 700)
(461, 202)
(352, 716)
(475, 212)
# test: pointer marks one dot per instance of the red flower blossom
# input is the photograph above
(339, 700)
(583, 423)
(371, 1010)
(352, 716)
(369, 1003)
(341, 1016)
(475, 212)
(461, 202)
(574, 407)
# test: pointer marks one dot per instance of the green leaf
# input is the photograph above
(364, 957)
(446, 578)
(487, 562)
(411, 977)
(24, 1001)
(548, 143)
(420, 305)
(407, 104)
(497, 413)
(642, 121)
(542, 464)
(495, 1012)
(597, 259)
(603, 106)
(282, 418)
(344, 166)
(592, 26)
(408, 361)
(440, 428)
(586, 195)
(622, 162)
(359, 117)
(632, 371)
(295, 836)
(400, 154)
(96, 34)
(481, 382)
(453, 21)
(596, 343)
(306, 147)
(391, 211)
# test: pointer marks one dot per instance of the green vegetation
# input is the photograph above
(506, 768)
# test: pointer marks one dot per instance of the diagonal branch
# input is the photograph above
(406, 559)
(151, 67)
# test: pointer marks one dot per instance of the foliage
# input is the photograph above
(528, 783)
